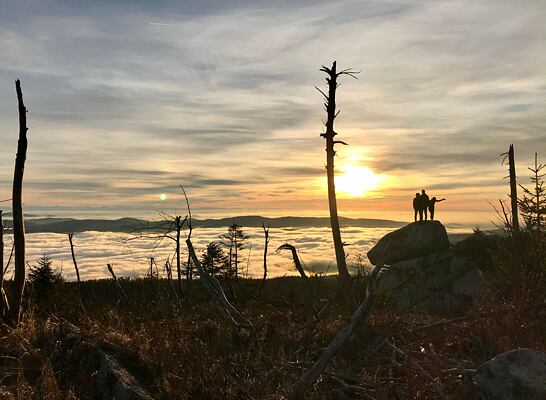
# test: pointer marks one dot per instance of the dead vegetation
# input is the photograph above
(182, 352)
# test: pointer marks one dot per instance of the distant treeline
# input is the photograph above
(63, 225)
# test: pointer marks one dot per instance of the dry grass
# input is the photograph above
(190, 351)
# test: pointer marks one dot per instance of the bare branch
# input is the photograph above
(215, 290)
(295, 257)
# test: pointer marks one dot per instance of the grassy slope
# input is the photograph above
(190, 350)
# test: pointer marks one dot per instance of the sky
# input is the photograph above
(128, 100)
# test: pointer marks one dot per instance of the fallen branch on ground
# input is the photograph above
(215, 290)
(297, 391)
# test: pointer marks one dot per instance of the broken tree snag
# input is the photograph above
(300, 387)
(329, 135)
(215, 290)
(513, 189)
(169, 271)
(266, 244)
(121, 292)
(70, 236)
(189, 275)
(17, 209)
(512, 223)
(295, 257)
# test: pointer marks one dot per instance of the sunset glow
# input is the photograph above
(356, 181)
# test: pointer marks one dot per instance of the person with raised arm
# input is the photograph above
(431, 203)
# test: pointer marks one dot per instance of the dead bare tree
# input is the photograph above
(151, 273)
(513, 187)
(17, 209)
(189, 274)
(295, 257)
(266, 244)
(169, 228)
(297, 391)
(70, 236)
(329, 135)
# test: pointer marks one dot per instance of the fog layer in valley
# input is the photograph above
(95, 249)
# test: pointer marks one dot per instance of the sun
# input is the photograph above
(162, 196)
(357, 181)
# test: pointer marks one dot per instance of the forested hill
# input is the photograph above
(63, 225)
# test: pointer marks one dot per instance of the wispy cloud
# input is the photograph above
(127, 100)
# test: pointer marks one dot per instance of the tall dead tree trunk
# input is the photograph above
(513, 189)
(17, 209)
(329, 135)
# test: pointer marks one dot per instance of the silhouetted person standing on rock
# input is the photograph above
(424, 204)
(431, 204)
(417, 208)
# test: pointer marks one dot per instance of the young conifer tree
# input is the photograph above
(533, 203)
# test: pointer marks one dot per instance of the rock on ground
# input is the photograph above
(411, 241)
(441, 282)
(114, 382)
(515, 375)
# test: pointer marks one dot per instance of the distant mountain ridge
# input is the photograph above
(65, 225)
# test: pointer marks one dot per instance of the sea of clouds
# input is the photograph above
(132, 258)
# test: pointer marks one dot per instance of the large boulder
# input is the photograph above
(417, 239)
(442, 282)
(515, 375)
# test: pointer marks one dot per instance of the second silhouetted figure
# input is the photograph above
(423, 205)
